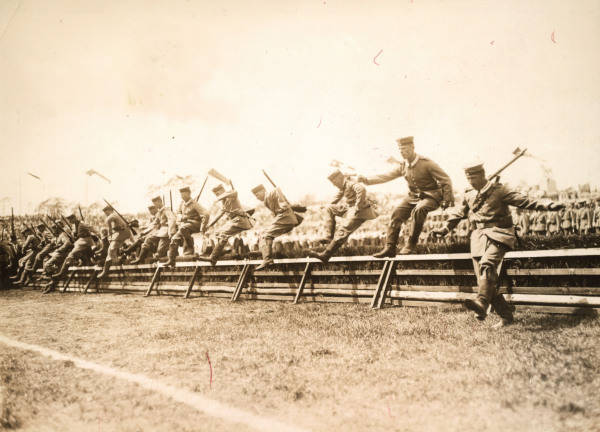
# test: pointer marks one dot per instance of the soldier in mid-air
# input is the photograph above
(193, 218)
(429, 188)
(118, 233)
(285, 219)
(239, 220)
(487, 207)
(360, 207)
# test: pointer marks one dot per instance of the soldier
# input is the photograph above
(148, 238)
(64, 246)
(429, 188)
(28, 249)
(193, 219)
(487, 207)
(355, 195)
(584, 218)
(596, 223)
(47, 245)
(165, 227)
(568, 220)
(539, 223)
(238, 220)
(82, 247)
(118, 232)
(522, 222)
(285, 220)
(554, 221)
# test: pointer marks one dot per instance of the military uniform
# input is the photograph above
(539, 223)
(238, 220)
(584, 219)
(429, 186)
(118, 232)
(492, 236)
(192, 216)
(63, 247)
(165, 227)
(567, 220)
(356, 203)
(285, 220)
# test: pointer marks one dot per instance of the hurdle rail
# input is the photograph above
(553, 281)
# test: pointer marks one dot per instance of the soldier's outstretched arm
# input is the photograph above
(383, 178)
(338, 196)
(520, 200)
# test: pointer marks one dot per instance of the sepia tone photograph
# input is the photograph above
(299, 215)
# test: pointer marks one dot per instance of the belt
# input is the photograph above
(481, 225)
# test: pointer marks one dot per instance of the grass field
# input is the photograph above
(316, 366)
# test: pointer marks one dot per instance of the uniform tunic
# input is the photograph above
(192, 217)
(428, 186)
(118, 232)
(285, 218)
(238, 219)
(355, 196)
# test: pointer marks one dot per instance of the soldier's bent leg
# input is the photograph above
(399, 216)
(333, 210)
(173, 248)
(162, 247)
(419, 214)
(487, 277)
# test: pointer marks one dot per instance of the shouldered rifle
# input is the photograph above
(201, 189)
(122, 218)
(48, 228)
(80, 213)
(68, 225)
(482, 197)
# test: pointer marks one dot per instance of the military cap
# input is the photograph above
(135, 223)
(406, 141)
(157, 198)
(107, 208)
(218, 190)
(474, 167)
(257, 189)
(40, 226)
(151, 207)
(25, 230)
(335, 174)
(72, 217)
(185, 189)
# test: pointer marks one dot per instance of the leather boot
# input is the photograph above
(216, 252)
(503, 309)
(104, 271)
(390, 244)
(142, 257)
(324, 256)
(267, 254)
(63, 269)
(23, 277)
(172, 254)
(50, 286)
(487, 291)
(409, 248)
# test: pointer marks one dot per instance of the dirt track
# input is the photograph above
(317, 366)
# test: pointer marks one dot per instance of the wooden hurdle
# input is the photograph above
(406, 280)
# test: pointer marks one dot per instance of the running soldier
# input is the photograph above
(285, 220)
(193, 218)
(239, 221)
(487, 207)
(118, 233)
(429, 188)
(355, 195)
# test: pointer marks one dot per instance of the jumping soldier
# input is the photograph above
(487, 207)
(118, 232)
(193, 218)
(239, 220)
(147, 238)
(429, 188)
(355, 195)
(285, 220)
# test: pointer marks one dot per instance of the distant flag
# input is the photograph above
(92, 172)
(34, 176)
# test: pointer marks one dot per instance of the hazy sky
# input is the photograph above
(140, 90)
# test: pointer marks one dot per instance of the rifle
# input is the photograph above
(65, 232)
(482, 197)
(201, 189)
(47, 227)
(275, 186)
(171, 199)
(13, 236)
(67, 224)
(122, 218)
(220, 177)
(518, 153)
(80, 214)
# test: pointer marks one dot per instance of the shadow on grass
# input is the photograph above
(540, 323)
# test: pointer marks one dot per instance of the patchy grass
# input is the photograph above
(319, 366)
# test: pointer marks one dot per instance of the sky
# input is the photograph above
(142, 90)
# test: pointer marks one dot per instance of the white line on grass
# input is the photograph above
(196, 401)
